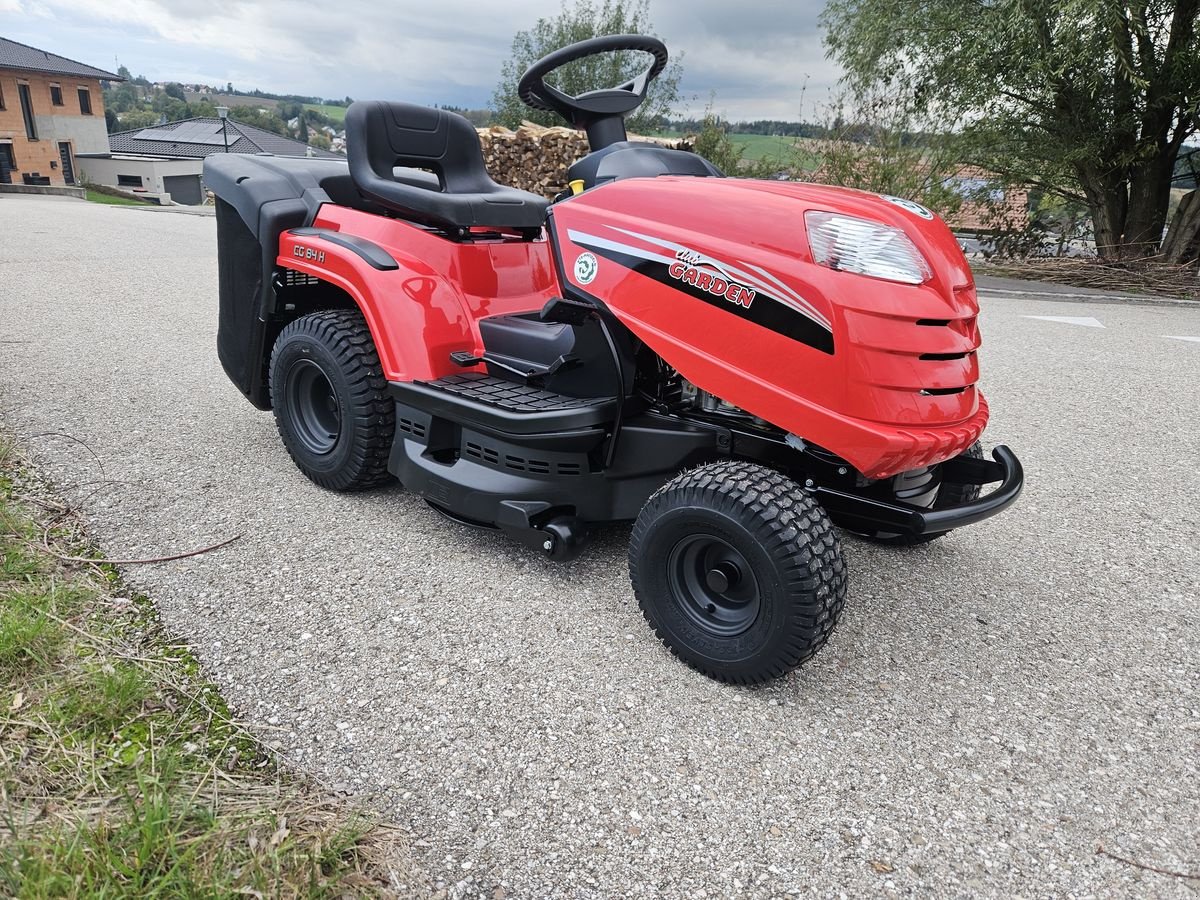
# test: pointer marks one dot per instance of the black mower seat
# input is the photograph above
(382, 136)
(502, 405)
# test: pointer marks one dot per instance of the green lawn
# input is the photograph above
(97, 197)
(337, 113)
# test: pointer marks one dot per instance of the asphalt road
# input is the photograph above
(991, 709)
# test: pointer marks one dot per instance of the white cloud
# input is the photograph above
(755, 60)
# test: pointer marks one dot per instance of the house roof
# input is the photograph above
(14, 55)
(202, 136)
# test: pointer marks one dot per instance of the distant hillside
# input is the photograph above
(232, 100)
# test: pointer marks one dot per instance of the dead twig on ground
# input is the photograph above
(1144, 276)
(1100, 851)
(148, 560)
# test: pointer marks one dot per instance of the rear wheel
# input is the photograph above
(738, 571)
(330, 400)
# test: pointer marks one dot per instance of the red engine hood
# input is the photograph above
(717, 277)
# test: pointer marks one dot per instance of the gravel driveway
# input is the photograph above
(992, 708)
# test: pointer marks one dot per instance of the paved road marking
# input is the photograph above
(1181, 337)
(1087, 321)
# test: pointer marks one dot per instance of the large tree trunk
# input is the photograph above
(1183, 240)
(1107, 201)
(1149, 197)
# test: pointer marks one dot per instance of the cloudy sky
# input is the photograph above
(762, 59)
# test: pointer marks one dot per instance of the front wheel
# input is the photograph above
(330, 399)
(738, 571)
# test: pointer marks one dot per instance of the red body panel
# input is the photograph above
(431, 305)
(848, 369)
(866, 400)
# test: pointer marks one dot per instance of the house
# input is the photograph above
(987, 205)
(166, 160)
(51, 111)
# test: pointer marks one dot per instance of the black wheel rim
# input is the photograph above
(316, 416)
(713, 585)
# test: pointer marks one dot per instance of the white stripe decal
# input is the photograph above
(792, 294)
(791, 298)
(580, 237)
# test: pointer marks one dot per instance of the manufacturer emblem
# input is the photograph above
(585, 268)
(911, 205)
(706, 275)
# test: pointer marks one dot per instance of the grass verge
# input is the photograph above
(122, 772)
(95, 196)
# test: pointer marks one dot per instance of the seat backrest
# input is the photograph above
(388, 135)
(383, 136)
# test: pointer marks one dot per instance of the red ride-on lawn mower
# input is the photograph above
(734, 365)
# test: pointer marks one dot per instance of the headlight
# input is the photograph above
(849, 244)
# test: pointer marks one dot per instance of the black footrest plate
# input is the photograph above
(509, 395)
(508, 407)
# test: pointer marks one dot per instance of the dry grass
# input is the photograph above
(122, 772)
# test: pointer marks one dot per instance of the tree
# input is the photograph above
(1087, 99)
(259, 118)
(714, 144)
(879, 140)
(584, 19)
(174, 89)
(138, 118)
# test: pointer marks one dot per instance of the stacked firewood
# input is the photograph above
(535, 158)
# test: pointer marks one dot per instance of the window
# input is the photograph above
(56, 94)
(85, 102)
(27, 110)
(129, 181)
(2, 106)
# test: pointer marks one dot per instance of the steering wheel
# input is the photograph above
(592, 106)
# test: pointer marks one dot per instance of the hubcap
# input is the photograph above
(315, 412)
(713, 585)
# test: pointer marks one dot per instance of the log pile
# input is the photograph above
(535, 158)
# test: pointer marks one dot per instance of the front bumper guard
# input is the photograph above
(857, 512)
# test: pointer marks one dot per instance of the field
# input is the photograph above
(337, 113)
(232, 100)
(774, 147)
(769, 148)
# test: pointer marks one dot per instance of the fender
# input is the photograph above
(420, 293)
